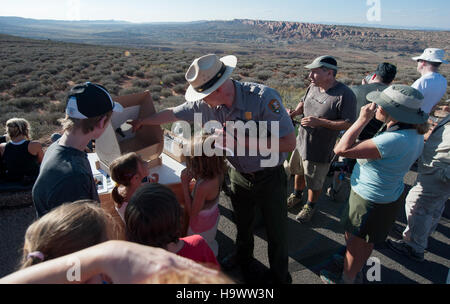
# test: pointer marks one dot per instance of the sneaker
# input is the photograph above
(329, 277)
(402, 248)
(293, 200)
(306, 214)
(331, 193)
(337, 264)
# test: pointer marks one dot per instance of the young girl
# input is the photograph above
(127, 171)
(203, 204)
(153, 218)
(66, 229)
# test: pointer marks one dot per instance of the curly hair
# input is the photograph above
(18, 126)
(205, 167)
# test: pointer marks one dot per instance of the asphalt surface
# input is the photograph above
(310, 245)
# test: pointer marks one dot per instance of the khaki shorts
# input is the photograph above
(315, 173)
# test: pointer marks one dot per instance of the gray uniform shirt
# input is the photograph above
(337, 103)
(252, 102)
(65, 176)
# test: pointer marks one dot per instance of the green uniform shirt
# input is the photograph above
(252, 102)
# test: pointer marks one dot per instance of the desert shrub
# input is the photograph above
(140, 83)
(5, 84)
(173, 78)
(140, 74)
(9, 71)
(155, 88)
(22, 89)
(129, 71)
(173, 101)
(166, 92)
(156, 96)
(248, 65)
(23, 69)
(28, 103)
(179, 88)
(131, 90)
(264, 75)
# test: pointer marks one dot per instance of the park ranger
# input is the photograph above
(217, 97)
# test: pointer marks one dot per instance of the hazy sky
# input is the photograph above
(417, 13)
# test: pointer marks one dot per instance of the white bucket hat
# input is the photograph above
(207, 73)
(432, 55)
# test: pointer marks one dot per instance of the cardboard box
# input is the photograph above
(173, 146)
(118, 138)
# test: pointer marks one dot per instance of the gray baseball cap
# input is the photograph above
(326, 61)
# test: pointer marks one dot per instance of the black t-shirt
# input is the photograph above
(18, 164)
(65, 176)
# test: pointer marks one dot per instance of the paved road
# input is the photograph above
(310, 245)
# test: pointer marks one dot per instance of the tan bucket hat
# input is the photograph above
(402, 102)
(207, 73)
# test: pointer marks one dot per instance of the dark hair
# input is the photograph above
(122, 171)
(435, 64)
(153, 216)
(332, 70)
(386, 72)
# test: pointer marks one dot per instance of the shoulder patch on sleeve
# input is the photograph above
(275, 106)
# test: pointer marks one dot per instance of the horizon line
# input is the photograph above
(355, 24)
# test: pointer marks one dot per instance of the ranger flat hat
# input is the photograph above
(206, 74)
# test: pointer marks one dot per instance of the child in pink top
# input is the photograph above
(203, 204)
(153, 218)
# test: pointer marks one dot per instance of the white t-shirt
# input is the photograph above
(433, 87)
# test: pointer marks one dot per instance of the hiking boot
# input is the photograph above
(306, 214)
(401, 247)
(293, 200)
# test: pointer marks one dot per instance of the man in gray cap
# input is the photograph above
(328, 107)
(218, 98)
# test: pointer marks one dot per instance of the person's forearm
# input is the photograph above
(63, 270)
(338, 125)
(298, 110)
(165, 116)
(349, 139)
